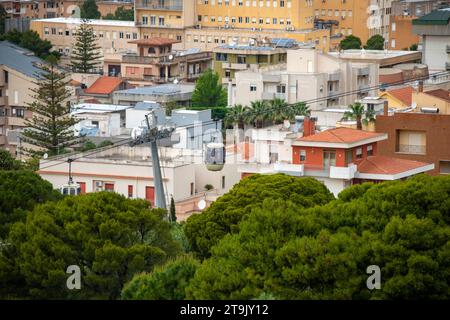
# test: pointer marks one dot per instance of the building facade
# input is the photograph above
(417, 136)
(309, 76)
(434, 29)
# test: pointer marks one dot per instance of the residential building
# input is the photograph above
(402, 15)
(205, 24)
(399, 98)
(112, 35)
(18, 74)
(231, 58)
(103, 88)
(337, 157)
(434, 29)
(155, 62)
(309, 76)
(100, 120)
(165, 94)
(434, 100)
(128, 171)
(417, 136)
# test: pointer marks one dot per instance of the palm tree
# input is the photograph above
(278, 110)
(236, 116)
(298, 109)
(356, 113)
(369, 116)
(257, 113)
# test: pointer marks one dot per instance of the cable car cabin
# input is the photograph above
(70, 190)
(215, 156)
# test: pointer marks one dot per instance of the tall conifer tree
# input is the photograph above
(85, 56)
(50, 128)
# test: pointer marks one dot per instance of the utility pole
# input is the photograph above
(152, 135)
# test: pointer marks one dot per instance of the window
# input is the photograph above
(152, 20)
(223, 182)
(359, 153)
(412, 142)
(130, 191)
(369, 150)
(252, 87)
(302, 155)
(121, 35)
(444, 167)
(46, 31)
(53, 30)
(109, 187)
(281, 3)
(192, 188)
(241, 59)
(221, 56)
(161, 21)
(144, 20)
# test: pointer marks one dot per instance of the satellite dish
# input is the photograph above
(170, 57)
(45, 155)
(201, 204)
(175, 81)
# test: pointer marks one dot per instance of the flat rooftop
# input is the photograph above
(96, 22)
(97, 108)
(164, 89)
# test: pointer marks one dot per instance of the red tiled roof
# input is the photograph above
(341, 135)
(388, 165)
(403, 94)
(155, 41)
(104, 85)
(440, 93)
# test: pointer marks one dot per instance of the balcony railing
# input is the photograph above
(172, 5)
(346, 173)
(235, 66)
(412, 149)
(266, 168)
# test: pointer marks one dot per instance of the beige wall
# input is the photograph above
(424, 100)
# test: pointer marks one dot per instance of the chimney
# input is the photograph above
(309, 127)
(420, 87)
(386, 108)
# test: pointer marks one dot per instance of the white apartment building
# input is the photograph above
(128, 171)
(309, 75)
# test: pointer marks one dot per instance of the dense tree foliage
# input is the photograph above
(121, 14)
(350, 42)
(89, 10)
(167, 282)
(375, 42)
(323, 252)
(108, 236)
(21, 190)
(208, 92)
(223, 216)
(3, 15)
(30, 40)
(7, 162)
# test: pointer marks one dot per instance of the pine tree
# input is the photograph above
(85, 54)
(173, 215)
(50, 128)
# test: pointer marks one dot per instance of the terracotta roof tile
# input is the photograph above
(403, 94)
(341, 135)
(155, 41)
(440, 93)
(388, 165)
(104, 85)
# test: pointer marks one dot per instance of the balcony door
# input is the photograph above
(329, 159)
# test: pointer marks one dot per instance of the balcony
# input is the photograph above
(12, 121)
(157, 79)
(271, 78)
(336, 76)
(346, 173)
(235, 66)
(363, 71)
(173, 5)
(412, 149)
(289, 169)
